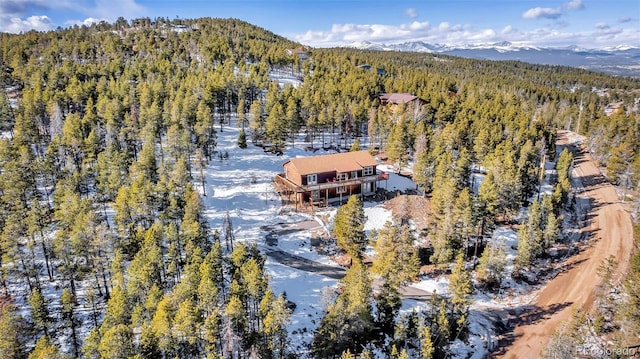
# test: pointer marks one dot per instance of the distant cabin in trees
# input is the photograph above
(300, 52)
(387, 99)
(410, 104)
(328, 178)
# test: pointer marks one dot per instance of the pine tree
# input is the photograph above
(460, 287)
(40, 311)
(186, 328)
(118, 310)
(212, 333)
(162, 323)
(551, 229)
(69, 318)
(91, 343)
(355, 146)
(237, 316)
(292, 116)
(146, 269)
(147, 345)
(242, 139)
(464, 215)
(13, 329)
(211, 287)
(204, 130)
(241, 114)
(491, 269)
(426, 344)
(200, 165)
(397, 146)
(630, 313)
(348, 228)
(117, 343)
(252, 273)
(276, 128)
(531, 240)
(275, 326)
(396, 256)
(388, 303)
(423, 171)
(36, 221)
(256, 122)
(44, 349)
(443, 326)
(347, 355)
(347, 323)
(229, 236)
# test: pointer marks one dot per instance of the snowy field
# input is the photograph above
(242, 186)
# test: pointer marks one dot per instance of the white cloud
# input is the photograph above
(508, 30)
(18, 15)
(416, 26)
(17, 25)
(574, 5)
(412, 13)
(24, 15)
(20, 8)
(86, 22)
(603, 35)
(341, 34)
(625, 19)
(539, 12)
(553, 13)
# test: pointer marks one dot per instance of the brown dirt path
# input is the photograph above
(609, 229)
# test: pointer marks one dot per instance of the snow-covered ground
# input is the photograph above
(395, 182)
(285, 78)
(242, 186)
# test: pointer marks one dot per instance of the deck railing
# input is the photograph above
(280, 178)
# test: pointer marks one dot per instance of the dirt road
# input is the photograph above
(609, 229)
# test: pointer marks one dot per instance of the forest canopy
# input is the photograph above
(122, 118)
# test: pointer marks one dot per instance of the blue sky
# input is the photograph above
(321, 23)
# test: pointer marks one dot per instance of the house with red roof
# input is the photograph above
(327, 178)
(400, 98)
(413, 104)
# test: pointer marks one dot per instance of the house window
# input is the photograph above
(354, 174)
(312, 179)
(343, 176)
(368, 171)
(341, 189)
(315, 194)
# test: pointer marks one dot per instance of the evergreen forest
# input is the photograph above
(105, 249)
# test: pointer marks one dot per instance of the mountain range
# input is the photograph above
(619, 61)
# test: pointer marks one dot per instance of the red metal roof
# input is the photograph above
(397, 98)
(339, 162)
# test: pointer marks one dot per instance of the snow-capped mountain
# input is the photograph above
(621, 60)
(421, 46)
